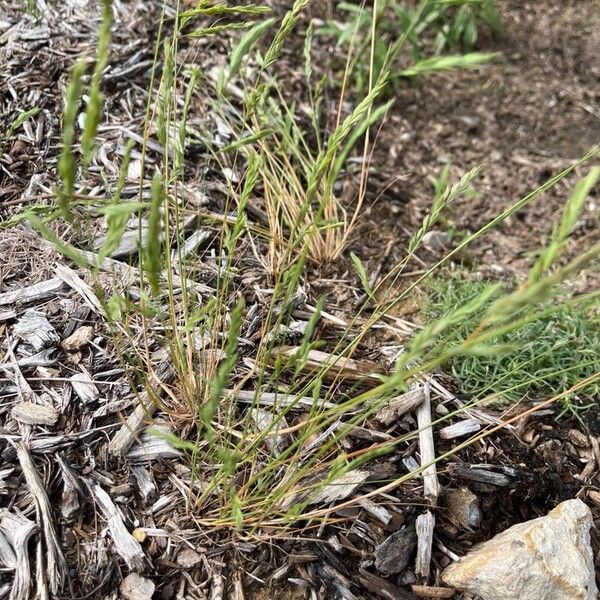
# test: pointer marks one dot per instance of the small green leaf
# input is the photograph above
(362, 274)
(244, 46)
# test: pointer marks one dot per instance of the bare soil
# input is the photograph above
(525, 118)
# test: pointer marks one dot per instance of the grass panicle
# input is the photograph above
(94, 106)
(67, 163)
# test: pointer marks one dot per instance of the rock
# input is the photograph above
(463, 508)
(549, 558)
(188, 558)
(136, 587)
(436, 241)
(78, 339)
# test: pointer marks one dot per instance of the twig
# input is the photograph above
(425, 525)
(431, 486)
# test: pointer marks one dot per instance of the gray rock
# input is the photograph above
(549, 558)
(136, 587)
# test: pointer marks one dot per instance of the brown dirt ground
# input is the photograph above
(524, 118)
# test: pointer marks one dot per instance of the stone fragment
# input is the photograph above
(188, 558)
(463, 508)
(549, 558)
(136, 587)
(79, 338)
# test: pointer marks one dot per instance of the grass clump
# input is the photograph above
(547, 354)
(257, 463)
(425, 31)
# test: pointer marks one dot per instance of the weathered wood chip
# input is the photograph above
(188, 558)
(428, 591)
(136, 587)
(400, 405)
(79, 338)
(151, 447)
(265, 420)
(34, 329)
(145, 483)
(481, 474)
(70, 277)
(381, 588)
(84, 387)
(425, 525)
(70, 495)
(335, 490)
(395, 552)
(337, 366)
(460, 429)
(340, 488)
(431, 486)
(277, 399)
(45, 358)
(18, 529)
(33, 293)
(34, 414)
(142, 413)
(378, 511)
(125, 544)
(594, 497)
(54, 559)
(128, 245)
(8, 559)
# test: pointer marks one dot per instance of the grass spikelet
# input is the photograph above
(61, 246)
(287, 24)
(18, 121)
(94, 107)
(153, 254)
(244, 46)
(222, 9)
(442, 200)
(324, 161)
(448, 63)
(563, 230)
(67, 165)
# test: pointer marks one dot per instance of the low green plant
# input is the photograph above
(455, 24)
(428, 29)
(546, 355)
